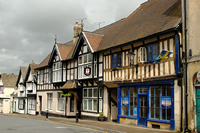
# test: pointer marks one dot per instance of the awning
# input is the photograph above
(69, 85)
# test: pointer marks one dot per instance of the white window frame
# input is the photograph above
(31, 104)
(21, 104)
(49, 101)
(92, 99)
(143, 54)
(61, 102)
(1, 102)
(88, 63)
(57, 72)
(41, 76)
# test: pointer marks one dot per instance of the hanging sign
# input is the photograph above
(87, 71)
(166, 102)
(124, 101)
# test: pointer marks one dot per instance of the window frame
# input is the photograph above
(118, 57)
(62, 100)
(94, 97)
(150, 46)
(21, 104)
(49, 99)
(57, 71)
(31, 104)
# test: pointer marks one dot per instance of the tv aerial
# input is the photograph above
(99, 23)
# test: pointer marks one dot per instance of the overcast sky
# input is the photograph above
(28, 27)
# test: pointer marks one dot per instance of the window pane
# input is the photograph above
(156, 102)
(122, 92)
(89, 57)
(119, 59)
(131, 91)
(131, 101)
(135, 101)
(85, 93)
(131, 111)
(95, 92)
(152, 102)
(114, 60)
(157, 113)
(135, 92)
(126, 91)
(163, 91)
(95, 105)
(126, 110)
(149, 53)
(85, 58)
(163, 114)
(157, 92)
(155, 51)
(152, 92)
(123, 110)
(151, 112)
(168, 114)
(90, 104)
(90, 93)
(168, 91)
(84, 104)
(80, 60)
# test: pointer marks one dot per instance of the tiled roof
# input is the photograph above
(23, 72)
(9, 80)
(69, 85)
(64, 50)
(33, 66)
(44, 62)
(93, 39)
(150, 18)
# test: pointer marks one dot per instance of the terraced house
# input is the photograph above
(25, 102)
(116, 70)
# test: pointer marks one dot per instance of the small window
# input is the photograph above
(116, 60)
(152, 52)
(143, 55)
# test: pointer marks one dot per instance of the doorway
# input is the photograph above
(198, 108)
(40, 107)
(142, 121)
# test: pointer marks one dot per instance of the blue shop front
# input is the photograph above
(147, 104)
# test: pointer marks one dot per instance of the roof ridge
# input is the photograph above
(93, 33)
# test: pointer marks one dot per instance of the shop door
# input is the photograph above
(142, 121)
(198, 109)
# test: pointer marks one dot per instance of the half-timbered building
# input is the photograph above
(21, 95)
(147, 93)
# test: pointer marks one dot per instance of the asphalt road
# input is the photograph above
(20, 125)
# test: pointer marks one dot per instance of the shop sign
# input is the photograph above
(134, 111)
(124, 101)
(166, 102)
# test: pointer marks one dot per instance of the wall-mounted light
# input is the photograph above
(131, 57)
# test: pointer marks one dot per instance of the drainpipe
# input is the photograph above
(185, 75)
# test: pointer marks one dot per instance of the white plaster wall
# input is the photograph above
(177, 105)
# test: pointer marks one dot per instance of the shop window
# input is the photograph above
(154, 102)
(165, 103)
(152, 52)
(116, 60)
(129, 101)
(49, 100)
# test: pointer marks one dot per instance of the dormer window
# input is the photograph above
(57, 71)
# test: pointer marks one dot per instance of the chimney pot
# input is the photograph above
(76, 24)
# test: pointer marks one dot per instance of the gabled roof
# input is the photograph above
(44, 63)
(93, 40)
(9, 80)
(64, 50)
(22, 72)
(31, 68)
(150, 18)
(69, 85)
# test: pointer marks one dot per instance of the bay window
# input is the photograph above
(57, 72)
(85, 66)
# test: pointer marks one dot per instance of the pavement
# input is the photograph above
(105, 126)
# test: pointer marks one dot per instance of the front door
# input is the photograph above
(40, 99)
(198, 108)
(142, 121)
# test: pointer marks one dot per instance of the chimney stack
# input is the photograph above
(77, 31)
